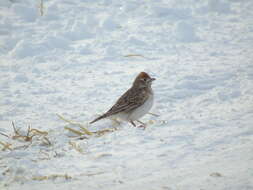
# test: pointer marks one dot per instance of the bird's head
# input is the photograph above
(143, 80)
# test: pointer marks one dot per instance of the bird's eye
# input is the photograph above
(144, 79)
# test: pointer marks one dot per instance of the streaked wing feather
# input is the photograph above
(130, 100)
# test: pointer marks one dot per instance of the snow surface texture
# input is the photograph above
(78, 58)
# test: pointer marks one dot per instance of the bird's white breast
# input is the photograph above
(142, 110)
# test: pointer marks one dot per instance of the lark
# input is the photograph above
(134, 103)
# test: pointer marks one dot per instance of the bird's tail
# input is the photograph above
(98, 118)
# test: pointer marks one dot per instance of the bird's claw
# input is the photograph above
(142, 126)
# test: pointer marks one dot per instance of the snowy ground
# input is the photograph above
(80, 56)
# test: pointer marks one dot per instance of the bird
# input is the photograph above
(134, 103)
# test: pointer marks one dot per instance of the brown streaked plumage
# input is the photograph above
(134, 102)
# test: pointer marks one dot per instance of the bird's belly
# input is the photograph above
(142, 110)
(122, 116)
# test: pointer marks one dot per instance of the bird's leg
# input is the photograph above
(143, 125)
(140, 122)
(133, 123)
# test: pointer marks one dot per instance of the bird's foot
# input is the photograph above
(142, 126)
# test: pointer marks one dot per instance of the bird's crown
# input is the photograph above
(143, 75)
(143, 80)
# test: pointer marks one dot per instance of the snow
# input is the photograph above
(80, 56)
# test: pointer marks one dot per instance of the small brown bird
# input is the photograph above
(134, 103)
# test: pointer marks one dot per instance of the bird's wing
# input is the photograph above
(130, 100)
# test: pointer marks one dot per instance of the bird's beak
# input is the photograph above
(152, 79)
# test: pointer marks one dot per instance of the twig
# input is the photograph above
(41, 8)
(14, 128)
(74, 131)
(47, 141)
(28, 131)
(23, 146)
(91, 174)
(29, 134)
(134, 55)
(39, 132)
(156, 115)
(76, 147)
(51, 177)
(86, 131)
(4, 134)
(104, 131)
(6, 146)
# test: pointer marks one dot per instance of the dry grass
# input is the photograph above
(134, 55)
(6, 146)
(83, 132)
(41, 7)
(75, 146)
(153, 114)
(51, 177)
(31, 137)
(24, 137)
(63, 176)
